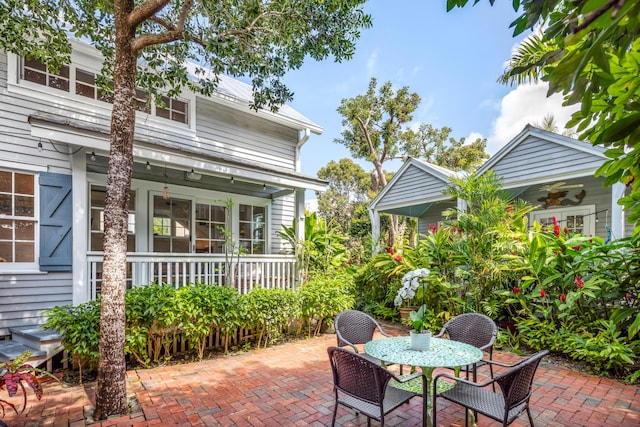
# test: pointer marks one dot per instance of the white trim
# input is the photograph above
(80, 194)
(617, 212)
(17, 165)
(88, 108)
(561, 213)
(26, 267)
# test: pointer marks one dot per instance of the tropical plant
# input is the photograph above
(594, 61)
(153, 45)
(12, 376)
(321, 249)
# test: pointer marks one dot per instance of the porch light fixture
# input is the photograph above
(165, 192)
(148, 165)
(264, 187)
(232, 179)
(39, 146)
(192, 176)
(93, 156)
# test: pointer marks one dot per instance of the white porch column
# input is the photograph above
(461, 205)
(300, 214)
(374, 217)
(80, 225)
(617, 213)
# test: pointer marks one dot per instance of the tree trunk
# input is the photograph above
(111, 396)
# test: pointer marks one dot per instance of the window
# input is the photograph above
(96, 232)
(85, 85)
(18, 217)
(211, 226)
(175, 110)
(37, 72)
(171, 225)
(252, 229)
(575, 220)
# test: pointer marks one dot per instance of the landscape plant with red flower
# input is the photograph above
(579, 282)
(563, 298)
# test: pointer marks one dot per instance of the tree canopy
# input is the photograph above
(163, 46)
(591, 55)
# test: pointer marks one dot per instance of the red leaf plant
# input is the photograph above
(13, 374)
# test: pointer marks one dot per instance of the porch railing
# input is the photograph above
(244, 272)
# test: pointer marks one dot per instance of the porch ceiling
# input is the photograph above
(178, 177)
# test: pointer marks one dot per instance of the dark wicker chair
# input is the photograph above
(355, 327)
(475, 329)
(505, 407)
(363, 386)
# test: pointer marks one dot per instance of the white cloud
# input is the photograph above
(472, 137)
(527, 104)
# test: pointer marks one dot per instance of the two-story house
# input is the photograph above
(211, 177)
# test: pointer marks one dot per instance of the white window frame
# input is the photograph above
(78, 103)
(26, 267)
(561, 213)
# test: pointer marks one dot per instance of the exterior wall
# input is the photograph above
(25, 296)
(218, 130)
(537, 159)
(433, 216)
(245, 135)
(283, 212)
(414, 184)
(595, 194)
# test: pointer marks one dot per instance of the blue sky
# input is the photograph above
(452, 60)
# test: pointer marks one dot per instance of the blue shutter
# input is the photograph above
(56, 219)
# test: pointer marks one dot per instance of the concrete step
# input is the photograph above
(44, 343)
(11, 350)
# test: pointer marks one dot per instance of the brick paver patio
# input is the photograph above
(290, 385)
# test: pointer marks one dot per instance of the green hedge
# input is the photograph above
(163, 321)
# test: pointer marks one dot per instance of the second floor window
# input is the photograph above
(85, 85)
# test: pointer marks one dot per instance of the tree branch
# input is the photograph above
(145, 11)
(151, 39)
(616, 5)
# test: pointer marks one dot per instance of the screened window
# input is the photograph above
(98, 194)
(17, 217)
(252, 231)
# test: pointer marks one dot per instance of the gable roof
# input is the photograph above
(401, 191)
(536, 156)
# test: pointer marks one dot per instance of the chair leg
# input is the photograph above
(466, 416)
(369, 422)
(530, 417)
(335, 412)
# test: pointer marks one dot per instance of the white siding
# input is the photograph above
(433, 215)
(414, 184)
(24, 298)
(282, 213)
(245, 135)
(535, 158)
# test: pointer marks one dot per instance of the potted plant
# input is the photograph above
(420, 336)
(413, 286)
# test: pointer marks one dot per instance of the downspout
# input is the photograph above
(300, 192)
(301, 141)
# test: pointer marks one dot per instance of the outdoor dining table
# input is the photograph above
(442, 353)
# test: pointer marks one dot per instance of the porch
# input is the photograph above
(243, 272)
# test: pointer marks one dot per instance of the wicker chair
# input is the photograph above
(363, 386)
(355, 327)
(505, 407)
(475, 329)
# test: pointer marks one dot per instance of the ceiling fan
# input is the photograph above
(557, 186)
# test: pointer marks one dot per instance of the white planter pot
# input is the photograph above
(420, 341)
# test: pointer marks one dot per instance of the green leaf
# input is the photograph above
(620, 129)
